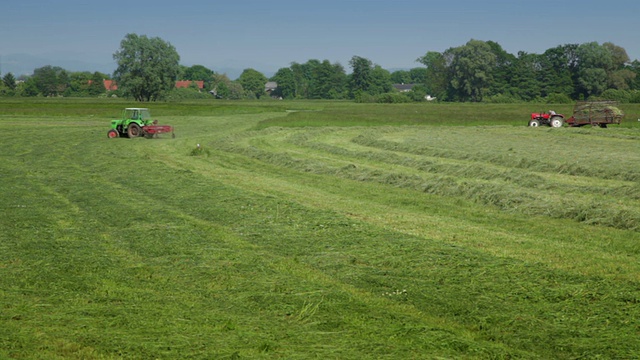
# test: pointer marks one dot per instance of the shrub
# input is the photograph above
(621, 96)
(635, 97)
(199, 150)
(503, 99)
(392, 98)
(558, 99)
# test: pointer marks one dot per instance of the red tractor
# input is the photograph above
(550, 118)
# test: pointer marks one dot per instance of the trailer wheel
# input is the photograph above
(557, 122)
(134, 130)
(534, 123)
(112, 134)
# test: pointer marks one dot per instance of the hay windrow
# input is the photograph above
(503, 179)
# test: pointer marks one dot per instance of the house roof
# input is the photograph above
(110, 85)
(271, 85)
(187, 83)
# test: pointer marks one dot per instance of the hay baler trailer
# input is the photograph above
(595, 113)
(137, 122)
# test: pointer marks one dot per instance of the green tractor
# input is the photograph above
(137, 122)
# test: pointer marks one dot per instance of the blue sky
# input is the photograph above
(269, 34)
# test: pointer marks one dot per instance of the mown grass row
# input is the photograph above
(515, 176)
(123, 258)
(281, 243)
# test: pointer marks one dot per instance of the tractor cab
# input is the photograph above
(141, 114)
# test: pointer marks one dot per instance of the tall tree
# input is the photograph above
(97, 84)
(286, 84)
(594, 63)
(436, 74)
(634, 67)
(224, 88)
(199, 73)
(147, 67)
(471, 67)
(401, 77)
(557, 70)
(503, 71)
(338, 82)
(418, 75)
(253, 82)
(50, 80)
(9, 81)
(620, 76)
(360, 81)
(524, 77)
(380, 81)
(79, 84)
(327, 80)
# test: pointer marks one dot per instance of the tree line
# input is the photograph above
(478, 71)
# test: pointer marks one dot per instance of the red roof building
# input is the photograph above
(110, 85)
(187, 83)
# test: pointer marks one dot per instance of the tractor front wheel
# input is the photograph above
(134, 130)
(112, 134)
(534, 123)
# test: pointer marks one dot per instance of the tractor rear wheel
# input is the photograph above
(556, 122)
(112, 134)
(134, 130)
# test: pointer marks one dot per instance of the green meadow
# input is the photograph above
(326, 230)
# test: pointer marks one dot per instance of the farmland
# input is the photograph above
(317, 230)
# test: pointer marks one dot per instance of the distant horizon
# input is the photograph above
(267, 36)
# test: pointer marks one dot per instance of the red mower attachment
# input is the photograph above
(151, 131)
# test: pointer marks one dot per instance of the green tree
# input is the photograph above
(401, 77)
(286, 83)
(253, 82)
(524, 77)
(621, 76)
(79, 84)
(502, 72)
(338, 88)
(28, 88)
(380, 81)
(96, 86)
(634, 67)
(471, 70)
(310, 81)
(147, 67)
(327, 81)
(9, 81)
(557, 70)
(594, 63)
(224, 88)
(418, 75)
(360, 80)
(199, 73)
(303, 78)
(50, 80)
(436, 77)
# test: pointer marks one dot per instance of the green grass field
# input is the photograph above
(317, 230)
